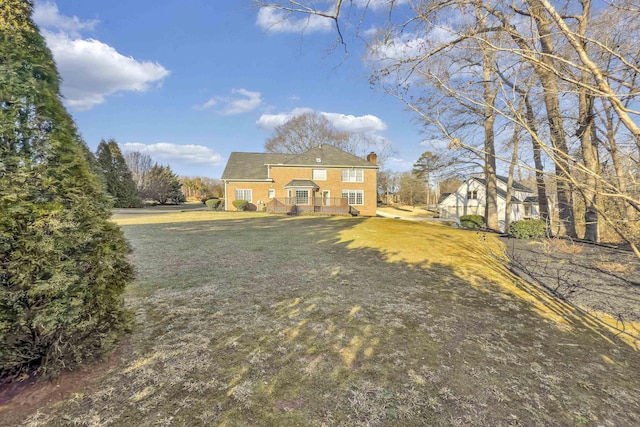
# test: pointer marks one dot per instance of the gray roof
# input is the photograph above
(531, 199)
(501, 192)
(305, 183)
(516, 185)
(253, 166)
(328, 155)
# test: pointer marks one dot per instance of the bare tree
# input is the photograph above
(139, 164)
(556, 59)
(312, 129)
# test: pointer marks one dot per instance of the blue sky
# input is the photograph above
(190, 81)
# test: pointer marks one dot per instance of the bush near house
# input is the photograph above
(528, 229)
(472, 221)
(240, 205)
(214, 204)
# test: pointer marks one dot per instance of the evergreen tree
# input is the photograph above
(63, 263)
(162, 185)
(116, 175)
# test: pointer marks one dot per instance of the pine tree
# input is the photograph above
(162, 185)
(116, 175)
(63, 263)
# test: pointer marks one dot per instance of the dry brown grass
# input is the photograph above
(248, 320)
(564, 246)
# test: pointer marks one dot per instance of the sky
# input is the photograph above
(190, 81)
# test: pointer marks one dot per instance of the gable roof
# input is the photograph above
(328, 155)
(516, 185)
(501, 192)
(253, 166)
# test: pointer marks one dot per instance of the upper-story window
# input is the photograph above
(472, 195)
(319, 175)
(352, 175)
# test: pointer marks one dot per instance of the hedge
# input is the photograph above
(472, 221)
(528, 229)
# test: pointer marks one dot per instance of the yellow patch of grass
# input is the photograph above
(139, 363)
(181, 217)
(406, 211)
(146, 392)
(629, 332)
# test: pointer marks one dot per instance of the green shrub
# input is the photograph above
(214, 204)
(240, 204)
(528, 229)
(63, 262)
(472, 221)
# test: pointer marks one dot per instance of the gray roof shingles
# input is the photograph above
(253, 166)
(303, 183)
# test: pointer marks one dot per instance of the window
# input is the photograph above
(355, 197)
(244, 194)
(319, 175)
(527, 211)
(326, 198)
(272, 193)
(352, 175)
(472, 195)
(302, 197)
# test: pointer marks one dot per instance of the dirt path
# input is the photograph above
(20, 399)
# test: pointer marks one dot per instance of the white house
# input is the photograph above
(470, 197)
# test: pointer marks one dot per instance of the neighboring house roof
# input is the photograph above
(302, 183)
(443, 196)
(253, 166)
(516, 185)
(502, 193)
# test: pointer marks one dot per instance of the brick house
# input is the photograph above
(323, 179)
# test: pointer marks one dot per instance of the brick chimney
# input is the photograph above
(372, 158)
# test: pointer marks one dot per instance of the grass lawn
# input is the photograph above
(254, 320)
(407, 211)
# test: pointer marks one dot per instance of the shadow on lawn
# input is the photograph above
(310, 321)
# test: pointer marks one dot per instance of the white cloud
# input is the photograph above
(405, 47)
(47, 15)
(271, 121)
(278, 21)
(379, 4)
(91, 69)
(344, 122)
(360, 124)
(167, 152)
(245, 102)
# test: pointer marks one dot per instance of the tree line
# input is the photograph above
(549, 87)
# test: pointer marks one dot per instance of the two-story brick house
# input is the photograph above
(322, 179)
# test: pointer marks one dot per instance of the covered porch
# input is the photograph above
(305, 196)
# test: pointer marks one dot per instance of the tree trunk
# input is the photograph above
(588, 143)
(550, 88)
(489, 95)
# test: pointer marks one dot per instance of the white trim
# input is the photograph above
(315, 178)
(355, 194)
(244, 190)
(352, 175)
